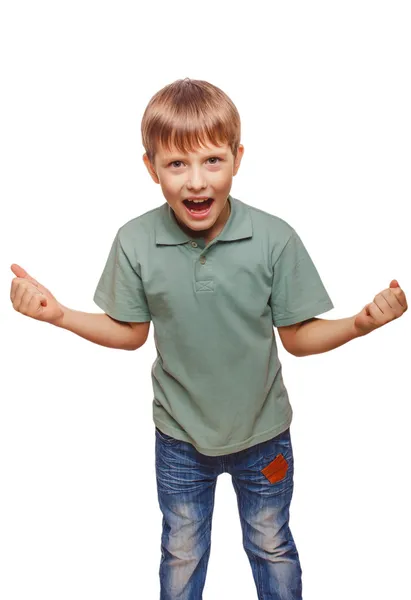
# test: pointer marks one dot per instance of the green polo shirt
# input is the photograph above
(217, 378)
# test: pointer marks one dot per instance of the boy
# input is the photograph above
(214, 274)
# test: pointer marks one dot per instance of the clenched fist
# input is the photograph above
(32, 299)
(388, 305)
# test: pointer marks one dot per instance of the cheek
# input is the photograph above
(218, 180)
(222, 175)
(171, 185)
(222, 182)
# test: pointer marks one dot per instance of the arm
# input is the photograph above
(318, 335)
(321, 335)
(32, 299)
(104, 330)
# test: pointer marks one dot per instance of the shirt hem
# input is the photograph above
(129, 317)
(230, 449)
(318, 309)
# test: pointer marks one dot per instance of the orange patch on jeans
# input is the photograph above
(276, 470)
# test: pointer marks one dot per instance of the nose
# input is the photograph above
(196, 179)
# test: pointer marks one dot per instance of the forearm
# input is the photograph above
(322, 335)
(97, 328)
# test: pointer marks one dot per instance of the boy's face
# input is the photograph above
(208, 173)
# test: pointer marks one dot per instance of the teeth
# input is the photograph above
(199, 201)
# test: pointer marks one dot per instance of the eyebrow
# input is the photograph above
(175, 156)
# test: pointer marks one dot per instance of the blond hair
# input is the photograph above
(187, 114)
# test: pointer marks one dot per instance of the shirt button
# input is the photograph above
(202, 260)
(194, 244)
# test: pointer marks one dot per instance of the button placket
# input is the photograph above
(204, 279)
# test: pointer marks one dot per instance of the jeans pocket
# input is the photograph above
(276, 470)
(166, 439)
(278, 466)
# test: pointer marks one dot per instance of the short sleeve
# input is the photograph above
(297, 292)
(120, 291)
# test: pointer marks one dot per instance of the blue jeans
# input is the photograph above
(262, 477)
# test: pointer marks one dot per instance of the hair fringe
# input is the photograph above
(188, 114)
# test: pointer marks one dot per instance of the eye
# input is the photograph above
(178, 163)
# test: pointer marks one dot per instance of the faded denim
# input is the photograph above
(186, 483)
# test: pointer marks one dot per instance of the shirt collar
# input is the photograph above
(238, 226)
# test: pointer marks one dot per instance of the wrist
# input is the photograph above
(59, 320)
(356, 329)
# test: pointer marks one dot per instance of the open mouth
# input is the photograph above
(198, 208)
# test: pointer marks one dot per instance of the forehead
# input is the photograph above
(165, 153)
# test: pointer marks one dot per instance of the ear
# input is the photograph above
(238, 158)
(150, 168)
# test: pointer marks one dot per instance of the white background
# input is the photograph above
(324, 94)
